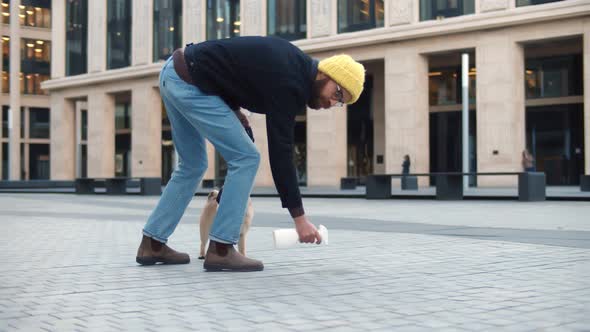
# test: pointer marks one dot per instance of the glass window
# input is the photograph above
(35, 13)
(5, 64)
(223, 19)
(5, 161)
(76, 37)
(6, 11)
(118, 34)
(5, 121)
(439, 9)
(445, 86)
(520, 3)
(84, 125)
(122, 139)
(167, 27)
(39, 123)
(355, 15)
(287, 19)
(38, 161)
(35, 65)
(554, 77)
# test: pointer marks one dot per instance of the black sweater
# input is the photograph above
(264, 75)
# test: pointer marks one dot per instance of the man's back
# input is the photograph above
(252, 72)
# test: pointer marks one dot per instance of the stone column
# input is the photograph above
(146, 131)
(378, 104)
(406, 111)
(500, 107)
(320, 18)
(258, 124)
(142, 32)
(97, 36)
(326, 147)
(492, 5)
(63, 138)
(193, 21)
(101, 135)
(586, 57)
(253, 16)
(58, 38)
(14, 81)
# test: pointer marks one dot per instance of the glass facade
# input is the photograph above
(445, 86)
(6, 11)
(35, 65)
(5, 64)
(39, 123)
(520, 3)
(35, 13)
(287, 19)
(551, 77)
(555, 138)
(76, 37)
(360, 134)
(356, 15)
(39, 161)
(5, 121)
(118, 33)
(122, 139)
(446, 143)
(439, 9)
(223, 19)
(167, 27)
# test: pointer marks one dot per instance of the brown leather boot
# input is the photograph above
(151, 252)
(224, 257)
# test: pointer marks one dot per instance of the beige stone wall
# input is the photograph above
(63, 138)
(326, 146)
(500, 107)
(101, 135)
(406, 104)
(146, 138)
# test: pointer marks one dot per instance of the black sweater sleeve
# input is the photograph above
(280, 127)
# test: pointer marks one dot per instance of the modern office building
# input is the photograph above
(528, 85)
(26, 54)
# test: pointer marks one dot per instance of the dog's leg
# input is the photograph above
(242, 244)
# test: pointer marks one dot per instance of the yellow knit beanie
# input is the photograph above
(348, 73)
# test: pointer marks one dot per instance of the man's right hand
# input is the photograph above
(308, 233)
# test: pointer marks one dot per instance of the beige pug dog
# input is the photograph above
(208, 215)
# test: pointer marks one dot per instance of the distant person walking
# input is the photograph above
(406, 165)
(528, 162)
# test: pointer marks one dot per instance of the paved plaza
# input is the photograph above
(68, 264)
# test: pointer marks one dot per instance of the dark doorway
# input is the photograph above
(360, 134)
(446, 143)
(555, 137)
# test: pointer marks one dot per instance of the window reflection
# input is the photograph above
(35, 65)
(439, 9)
(167, 27)
(223, 19)
(355, 15)
(76, 37)
(287, 19)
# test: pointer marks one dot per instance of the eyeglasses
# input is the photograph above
(339, 96)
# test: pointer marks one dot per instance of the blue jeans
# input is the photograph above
(194, 117)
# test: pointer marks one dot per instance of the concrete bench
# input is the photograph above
(348, 183)
(449, 185)
(119, 185)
